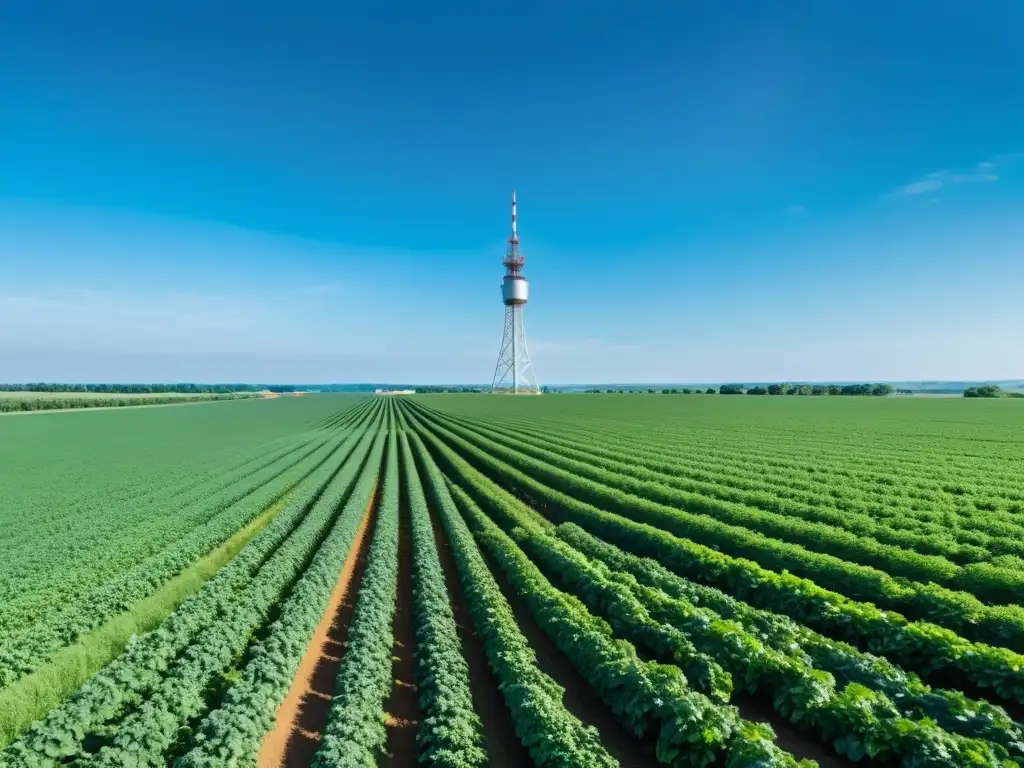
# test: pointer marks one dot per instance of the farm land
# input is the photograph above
(463, 580)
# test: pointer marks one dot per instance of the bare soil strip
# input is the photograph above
(403, 705)
(504, 749)
(580, 699)
(790, 738)
(302, 715)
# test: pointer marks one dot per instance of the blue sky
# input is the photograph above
(318, 191)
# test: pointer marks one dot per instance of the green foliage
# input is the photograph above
(922, 645)
(804, 695)
(985, 390)
(649, 699)
(231, 734)
(451, 734)
(733, 527)
(552, 735)
(23, 404)
(133, 709)
(355, 733)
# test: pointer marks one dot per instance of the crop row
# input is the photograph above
(159, 682)
(355, 733)
(986, 535)
(232, 733)
(950, 709)
(553, 736)
(147, 734)
(830, 555)
(36, 587)
(856, 720)
(917, 645)
(956, 610)
(124, 529)
(451, 733)
(24, 652)
(921, 475)
(651, 700)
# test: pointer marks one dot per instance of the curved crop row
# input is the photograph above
(953, 711)
(857, 721)
(651, 700)
(899, 481)
(817, 549)
(725, 485)
(915, 645)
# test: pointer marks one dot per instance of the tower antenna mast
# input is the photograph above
(514, 372)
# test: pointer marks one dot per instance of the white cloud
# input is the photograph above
(985, 171)
(919, 187)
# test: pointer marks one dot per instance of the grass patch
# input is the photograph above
(31, 697)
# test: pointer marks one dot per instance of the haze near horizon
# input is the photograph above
(318, 192)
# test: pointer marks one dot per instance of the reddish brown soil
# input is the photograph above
(580, 699)
(302, 716)
(504, 749)
(403, 706)
(790, 738)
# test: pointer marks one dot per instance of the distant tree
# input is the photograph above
(687, 391)
(985, 390)
(834, 389)
(667, 391)
(730, 389)
(778, 389)
(800, 389)
(709, 391)
(757, 391)
(819, 390)
(882, 390)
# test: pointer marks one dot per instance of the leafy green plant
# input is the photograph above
(451, 734)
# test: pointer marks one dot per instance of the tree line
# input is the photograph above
(876, 390)
(814, 390)
(16, 404)
(147, 389)
(990, 390)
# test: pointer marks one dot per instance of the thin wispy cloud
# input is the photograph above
(985, 171)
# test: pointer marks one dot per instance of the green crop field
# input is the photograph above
(465, 580)
(89, 395)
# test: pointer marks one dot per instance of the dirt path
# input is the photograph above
(790, 738)
(504, 749)
(403, 705)
(303, 714)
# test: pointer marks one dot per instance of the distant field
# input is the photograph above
(472, 581)
(89, 395)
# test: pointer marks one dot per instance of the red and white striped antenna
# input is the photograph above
(515, 237)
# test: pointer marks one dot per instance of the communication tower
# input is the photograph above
(514, 373)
